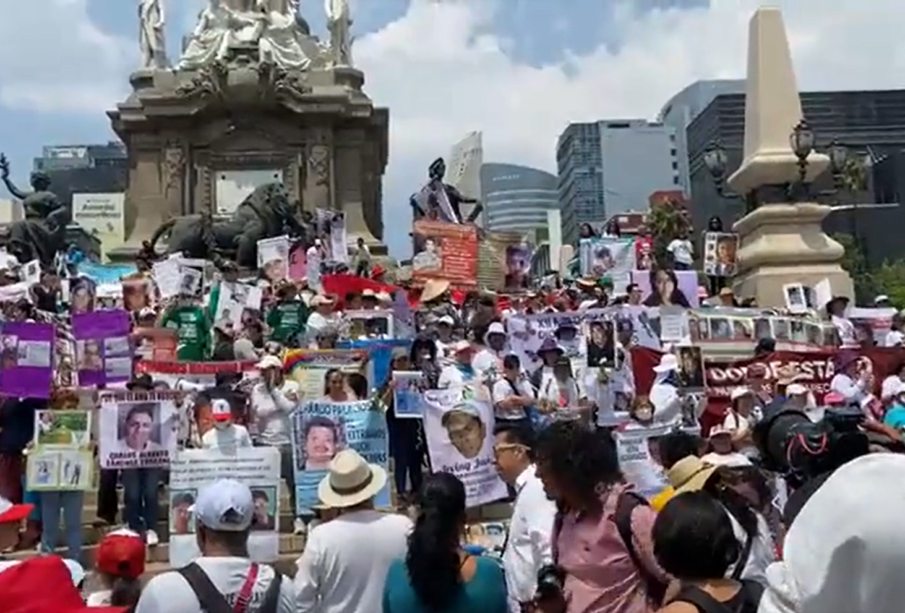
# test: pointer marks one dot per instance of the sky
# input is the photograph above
(518, 70)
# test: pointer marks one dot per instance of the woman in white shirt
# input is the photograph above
(682, 252)
(559, 395)
(851, 380)
(894, 384)
(835, 308)
(512, 395)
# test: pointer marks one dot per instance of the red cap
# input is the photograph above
(121, 554)
(221, 410)
(10, 512)
(43, 585)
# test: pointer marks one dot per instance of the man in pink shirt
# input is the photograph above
(602, 535)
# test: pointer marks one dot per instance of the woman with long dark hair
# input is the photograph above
(664, 290)
(437, 575)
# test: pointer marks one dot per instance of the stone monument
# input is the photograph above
(780, 242)
(255, 98)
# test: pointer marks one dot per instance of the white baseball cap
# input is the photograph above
(220, 409)
(796, 389)
(225, 505)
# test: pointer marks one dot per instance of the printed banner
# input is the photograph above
(102, 348)
(193, 469)
(608, 257)
(407, 394)
(445, 251)
(662, 288)
(232, 301)
(26, 359)
(137, 430)
(720, 249)
(320, 430)
(61, 458)
(273, 258)
(814, 367)
(170, 375)
(459, 435)
(309, 368)
(741, 329)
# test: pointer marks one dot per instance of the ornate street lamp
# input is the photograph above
(716, 161)
(802, 142)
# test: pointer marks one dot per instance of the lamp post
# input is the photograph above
(717, 163)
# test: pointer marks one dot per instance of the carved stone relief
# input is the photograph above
(319, 165)
(173, 168)
(319, 171)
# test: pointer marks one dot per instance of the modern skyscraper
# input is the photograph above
(517, 198)
(611, 167)
(682, 109)
(84, 169)
(463, 170)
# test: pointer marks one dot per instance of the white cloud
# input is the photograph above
(443, 72)
(53, 58)
(443, 75)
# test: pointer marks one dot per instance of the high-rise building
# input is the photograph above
(684, 107)
(517, 198)
(611, 167)
(870, 123)
(463, 170)
(84, 169)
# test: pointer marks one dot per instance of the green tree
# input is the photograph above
(889, 279)
(855, 264)
(667, 221)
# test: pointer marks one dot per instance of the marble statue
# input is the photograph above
(270, 26)
(42, 234)
(339, 23)
(281, 41)
(151, 36)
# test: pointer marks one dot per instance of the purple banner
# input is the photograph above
(103, 351)
(26, 359)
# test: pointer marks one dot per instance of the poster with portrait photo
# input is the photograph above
(796, 297)
(518, 266)
(407, 394)
(691, 368)
(103, 350)
(234, 301)
(190, 281)
(82, 295)
(720, 254)
(137, 430)
(601, 342)
(428, 252)
(136, 294)
(699, 327)
(368, 324)
(273, 258)
(720, 328)
(194, 469)
(320, 430)
(762, 328)
(664, 287)
(781, 329)
(331, 229)
(459, 435)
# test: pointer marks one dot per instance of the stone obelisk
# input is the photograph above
(780, 242)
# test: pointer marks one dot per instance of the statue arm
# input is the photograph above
(15, 191)
(455, 193)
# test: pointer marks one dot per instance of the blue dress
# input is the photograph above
(485, 592)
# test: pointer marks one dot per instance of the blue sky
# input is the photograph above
(519, 70)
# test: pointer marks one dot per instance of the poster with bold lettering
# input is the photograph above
(636, 461)
(137, 430)
(445, 251)
(26, 359)
(102, 348)
(459, 434)
(320, 430)
(193, 469)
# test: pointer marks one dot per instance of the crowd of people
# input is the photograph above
(743, 508)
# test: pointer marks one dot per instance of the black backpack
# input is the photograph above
(746, 601)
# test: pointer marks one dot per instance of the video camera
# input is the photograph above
(800, 449)
(551, 580)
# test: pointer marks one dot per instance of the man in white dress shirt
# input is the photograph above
(528, 546)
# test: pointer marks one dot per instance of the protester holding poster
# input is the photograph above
(320, 430)
(103, 349)
(26, 359)
(459, 435)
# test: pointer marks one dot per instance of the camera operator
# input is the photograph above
(602, 548)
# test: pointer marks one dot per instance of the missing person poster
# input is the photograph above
(102, 347)
(61, 458)
(320, 430)
(309, 367)
(256, 467)
(459, 434)
(137, 430)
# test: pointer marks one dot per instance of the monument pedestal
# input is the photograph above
(785, 243)
(204, 139)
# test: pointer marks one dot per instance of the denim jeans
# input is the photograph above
(70, 504)
(141, 507)
(407, 456)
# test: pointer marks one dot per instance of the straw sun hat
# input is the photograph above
(689, 474)
(433, 289)
(350, 481)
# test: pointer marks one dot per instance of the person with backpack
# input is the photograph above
(223, 579)
(694, 541)
(601, 537)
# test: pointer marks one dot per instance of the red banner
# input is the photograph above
(816, 368)
(446, 251)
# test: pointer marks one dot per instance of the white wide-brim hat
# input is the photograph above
(350, 481)
(668, 363)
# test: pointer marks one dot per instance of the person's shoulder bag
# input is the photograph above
(213, 601)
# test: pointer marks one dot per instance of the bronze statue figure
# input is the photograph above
(42, 234)
(266, 213)
(440, 201)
